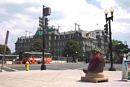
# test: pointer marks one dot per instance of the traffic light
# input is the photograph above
(41, 22)
(46, 22)
(106, 29)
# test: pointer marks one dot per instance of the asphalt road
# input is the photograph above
(55, 66)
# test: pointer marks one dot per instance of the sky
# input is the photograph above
(21, 17)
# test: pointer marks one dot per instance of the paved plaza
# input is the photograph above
(57, 78)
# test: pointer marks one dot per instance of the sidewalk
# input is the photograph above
(57, 78)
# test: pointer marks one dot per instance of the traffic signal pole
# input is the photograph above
(43, 66)
(44, 24)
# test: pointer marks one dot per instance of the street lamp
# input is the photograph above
(108, 19)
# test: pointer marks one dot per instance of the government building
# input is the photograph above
(55, 41)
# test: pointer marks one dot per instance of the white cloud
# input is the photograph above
(88, 15)
(3, 11)
(34, 10)
(17, 27)
(20, 21)
(12, 1)
(21, 1)
(2, 34)
(121, 21)
(107, 4)
(85, 14)
(73, 11)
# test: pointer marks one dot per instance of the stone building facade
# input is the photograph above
(55, 41)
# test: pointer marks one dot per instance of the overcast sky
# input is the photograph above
(19, 16)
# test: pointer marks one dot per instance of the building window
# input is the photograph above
(54, 37)
(49, 44)
(49, 37)
(71, 35)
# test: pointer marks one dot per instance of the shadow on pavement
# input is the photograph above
(121, 80)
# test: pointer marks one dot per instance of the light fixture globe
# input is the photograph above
(111, 10)
(105, 11)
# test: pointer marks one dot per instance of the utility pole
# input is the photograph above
(26, 32)
(58, 26)
(77, 25)
(29, 33)
(5, 45)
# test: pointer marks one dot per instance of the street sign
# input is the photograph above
(47, 11)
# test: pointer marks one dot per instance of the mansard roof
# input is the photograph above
(39, 31)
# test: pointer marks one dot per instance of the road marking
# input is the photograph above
(10, 68)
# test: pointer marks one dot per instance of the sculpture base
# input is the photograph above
(94, 77)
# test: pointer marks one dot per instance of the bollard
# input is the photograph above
(27, 66)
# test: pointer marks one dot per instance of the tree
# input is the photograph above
(119, 49)
(36, 46)
(72, 49)
(2, 47)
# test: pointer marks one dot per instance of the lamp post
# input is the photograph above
(108, 19)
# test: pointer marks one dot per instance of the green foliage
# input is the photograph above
(119, 49)
(8, 51)
(96, 50)
(72, 49)
(36, 46)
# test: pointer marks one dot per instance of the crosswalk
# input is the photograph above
(8, 69)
